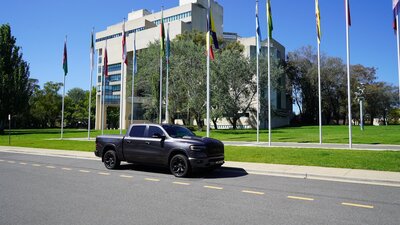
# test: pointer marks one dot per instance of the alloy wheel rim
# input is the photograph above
(109, 160)
(178, 166)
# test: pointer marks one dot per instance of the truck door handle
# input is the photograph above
(147, 142)
(128, 142)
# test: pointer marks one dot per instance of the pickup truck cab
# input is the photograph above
(172, 146)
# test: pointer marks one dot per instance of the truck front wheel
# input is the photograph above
(179, 165)
(111, 160)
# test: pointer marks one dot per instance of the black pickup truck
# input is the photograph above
(172, 146)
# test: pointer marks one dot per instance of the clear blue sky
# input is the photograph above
(41, 25)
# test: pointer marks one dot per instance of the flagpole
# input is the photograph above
(91, 82)
(208, 72)
(133, 73)
(269, 78)
(319, 71)
(121, 100)
(161, 62)
(398, 49)
(258, 88)
(167, 82)
(103, 87)
(63, 96)
(348, 73)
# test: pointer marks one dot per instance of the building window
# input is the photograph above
(100, 60)
(115, 88)
(99, 69)
(115, 77)
(114, 67)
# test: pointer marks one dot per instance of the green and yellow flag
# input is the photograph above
(318, 20)
(270, 24)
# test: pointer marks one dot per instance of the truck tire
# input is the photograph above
(179, 165)
(111, 160)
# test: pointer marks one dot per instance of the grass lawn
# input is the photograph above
(310, 134)
(373, 160)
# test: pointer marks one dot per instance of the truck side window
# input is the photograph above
(137, 131)
(154, 130)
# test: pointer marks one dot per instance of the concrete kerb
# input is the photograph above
(293, 171)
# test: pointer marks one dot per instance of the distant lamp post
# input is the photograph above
(360, 97)
(9, 129)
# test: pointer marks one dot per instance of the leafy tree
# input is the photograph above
(15, 86)
(75, 108)
(46, 105)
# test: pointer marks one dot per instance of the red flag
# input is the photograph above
(211, 53)
(395, 13)
(124, 58)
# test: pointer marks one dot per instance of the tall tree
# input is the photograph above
(15, 87)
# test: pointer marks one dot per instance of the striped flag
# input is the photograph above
(65, 58)
(124, 55)
(162, 34)
(92, 53)
(105, 62)
(258, 31)
(318, 20)
(395, 13)
(211, 32)
(134, 56)
(167, 47)
(348, 13)
(270, 24)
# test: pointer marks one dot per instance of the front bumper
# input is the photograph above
(209, 162)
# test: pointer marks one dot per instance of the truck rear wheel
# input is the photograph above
(179, 165)
(111, 160)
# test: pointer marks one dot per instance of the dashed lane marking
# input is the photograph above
(105, 174)
(11, 161)
(214, 187)
(65, 168)
(37, 165)
(50, 167)
(181, 183)
(253, 192)
(358, 205)
(125, 176)
(22, 163)
(152, 179)
(84, 171)
(300, 198)
(1, 160)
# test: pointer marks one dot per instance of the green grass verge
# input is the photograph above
(373, 160)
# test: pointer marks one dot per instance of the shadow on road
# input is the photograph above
(223, 172)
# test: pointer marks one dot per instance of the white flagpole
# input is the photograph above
(398, 49)
(121, 97)
(269, 82)
(161, 65)
(63, 96)
(258, 88)
(133, 74)
(348, 73)
(103, 87)
(208, 71)
(167, 84)
(319, 72)
(91, 83)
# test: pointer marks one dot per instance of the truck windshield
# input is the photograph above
(178, 131)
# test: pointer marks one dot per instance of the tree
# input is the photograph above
(46, 105)
(15, 86)
(75, 108)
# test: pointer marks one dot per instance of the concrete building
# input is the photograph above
(188, 16)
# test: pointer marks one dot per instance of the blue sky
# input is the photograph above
(40, 27)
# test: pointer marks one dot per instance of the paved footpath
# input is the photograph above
(304, 172)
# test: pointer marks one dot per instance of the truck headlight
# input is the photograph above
(197, 148)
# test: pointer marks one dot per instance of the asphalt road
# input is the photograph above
(51, 190)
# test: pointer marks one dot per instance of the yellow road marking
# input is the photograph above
(50, 167)
(253, 192)
(106, 174)
(125, 176)
(11, 161)
(358, 205)
(36, 165)
(151, 179)
(214, 187)
(181, 183)
(300, 198)
(84, 171)
(22, 163)
(64, 168)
